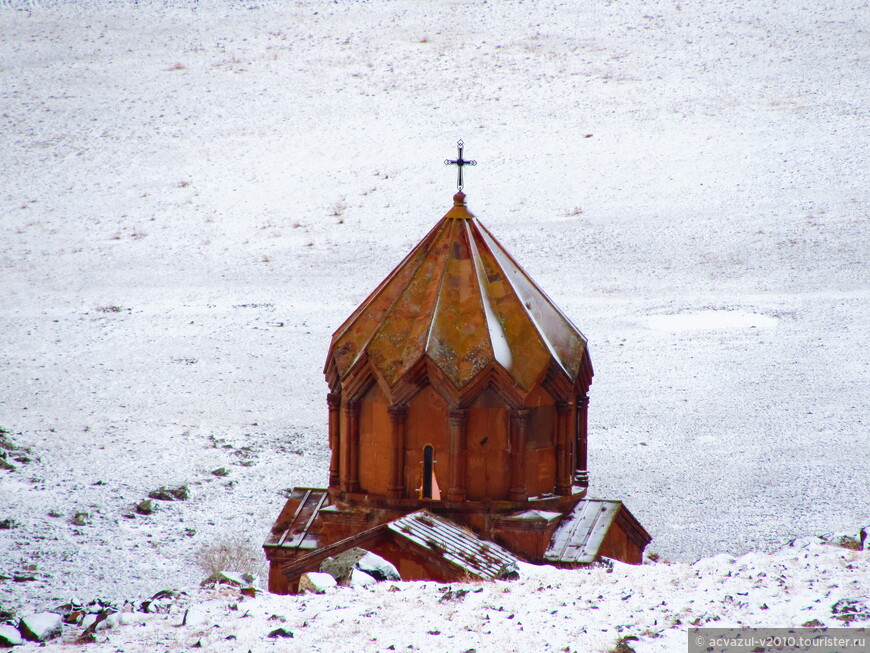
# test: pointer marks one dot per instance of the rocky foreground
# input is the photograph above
(810, 582)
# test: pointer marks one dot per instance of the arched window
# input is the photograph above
(428, 471)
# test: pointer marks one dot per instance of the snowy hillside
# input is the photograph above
(650, 608)
(195, 195)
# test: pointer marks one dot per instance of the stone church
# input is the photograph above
(458, 401)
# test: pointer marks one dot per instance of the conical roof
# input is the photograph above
(462, 302)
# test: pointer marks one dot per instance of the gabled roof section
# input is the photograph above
(455, 544)
(579, 537)
(461, 301)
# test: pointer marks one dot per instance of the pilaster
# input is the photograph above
(519, 436)
(458, 418)
(398, 419)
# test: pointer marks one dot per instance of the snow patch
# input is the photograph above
(710, 320)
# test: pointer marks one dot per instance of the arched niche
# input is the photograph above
(426, 425)
(488, 454)
(540, 458)
(375, 442)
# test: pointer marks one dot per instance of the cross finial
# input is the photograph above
(459, 162)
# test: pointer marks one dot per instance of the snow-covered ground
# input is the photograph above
(582, 611)
(195, 195)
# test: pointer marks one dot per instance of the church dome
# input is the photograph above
(461, 309)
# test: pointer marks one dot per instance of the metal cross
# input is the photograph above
(459, 162)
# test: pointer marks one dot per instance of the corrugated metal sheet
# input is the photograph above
(578, 538)
(455, 544)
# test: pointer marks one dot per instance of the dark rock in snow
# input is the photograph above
(848, 610)
(71, 612)
(622, 645)
(341, 566)
(281, 632)
(145, 507)
(845, 540)
(101, 620)
(87, 637)
(452, 595)
(162, 602)
(41, 627)
(370, 565)
(80, 519)
(508, 571)
(179, 493)
(9, 636)
(23, 578)
(228, 578)
(221, 471)
(6, 524)
(7, 466)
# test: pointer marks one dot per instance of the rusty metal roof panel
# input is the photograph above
(460, 300)
(296, 531)
(561, 337)
(454, 543)
(578, 538)
(353, 336)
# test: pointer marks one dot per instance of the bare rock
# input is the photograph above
(341, 566)
(508, 571)
(100, 620)
(228, 578)
(360, 578)
(180, 493)
(80, 519)
(316, 582)
(804, 542)
(41, 627)
(23, 578)
(145, 507)
(162, 602)
(845, 540)
(849, 610)
(377, 567)
(9, 636)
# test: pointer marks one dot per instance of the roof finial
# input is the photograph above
(459, 162)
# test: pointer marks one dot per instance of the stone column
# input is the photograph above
(581, 476)
(519, 424)
(333, 400)
(398, 415)
(350, 447)
(564, 468)
(458, 418)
